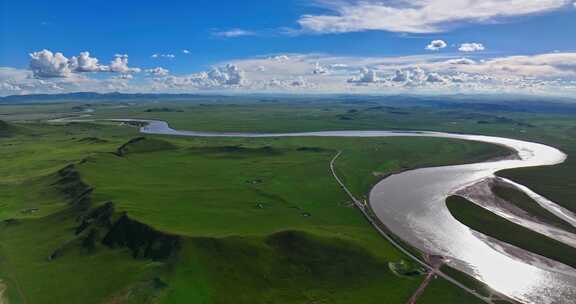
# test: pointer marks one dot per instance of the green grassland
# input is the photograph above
(270, 115)
(224, 220)
(218, 187)
(276, 115)
(252, 220)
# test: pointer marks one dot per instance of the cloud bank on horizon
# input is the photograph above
(551, 73)
(442, 66)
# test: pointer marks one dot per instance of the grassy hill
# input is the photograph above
(202, 220)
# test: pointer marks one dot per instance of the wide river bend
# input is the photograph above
(412, 206)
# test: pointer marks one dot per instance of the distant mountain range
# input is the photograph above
(92, 96)
(475, 102)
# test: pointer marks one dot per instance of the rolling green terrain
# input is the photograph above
(121, 218)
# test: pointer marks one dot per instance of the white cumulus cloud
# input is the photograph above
(123, 77)
(228, 75)
(319, 69)
(158, 71)
(366, 76)
(436, 45)
(120, 65)
(550, 73)
(409, 75)
(464, 61)
(471, 47)
(85, 63)
(222, 77)
(47, 64)
(435, 77)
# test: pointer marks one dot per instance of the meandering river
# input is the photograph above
(412, 206)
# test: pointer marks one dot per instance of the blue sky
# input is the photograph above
(241, 40)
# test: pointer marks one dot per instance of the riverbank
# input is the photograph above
(530, 154)
(486, 222)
